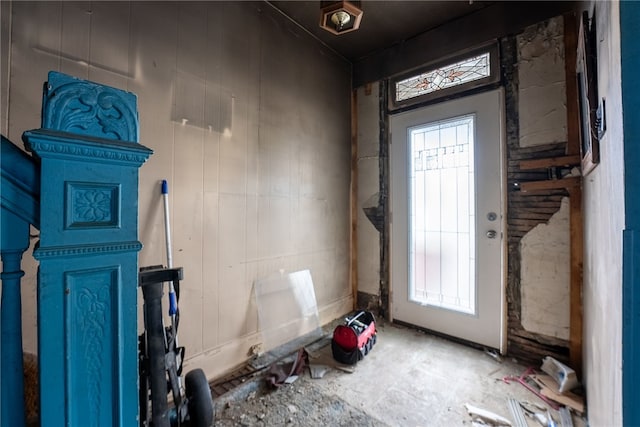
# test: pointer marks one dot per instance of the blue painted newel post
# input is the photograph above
(88, 252)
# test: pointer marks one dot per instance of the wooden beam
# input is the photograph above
(575, 196)
(573, 160)
(353, 235)
(573, 112)
(575, 278)
(568, 183)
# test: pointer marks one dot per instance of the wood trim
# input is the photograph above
(576, 224)
(568, 183)
(353, 234)
(573, 160)
(575, 278)
(573, 112)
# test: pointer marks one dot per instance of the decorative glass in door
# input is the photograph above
(442, 214)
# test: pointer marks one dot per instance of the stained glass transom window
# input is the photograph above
(465, 71)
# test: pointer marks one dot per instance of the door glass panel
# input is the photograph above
(442, 214)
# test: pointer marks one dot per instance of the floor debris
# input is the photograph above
(486, 416)
(318, 371)
(565, 418)
(517, 413)
(374, 394)
(347, 369)
(549, 389)
(494, 355)
(561, 373)
(524, 381)
(291, 379)
(282, 373)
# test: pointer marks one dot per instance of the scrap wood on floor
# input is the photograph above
(547, 388)
(484, 417)
(554, 390)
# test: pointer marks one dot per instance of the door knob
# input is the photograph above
(492, 234)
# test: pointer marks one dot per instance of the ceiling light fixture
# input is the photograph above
(339, 17)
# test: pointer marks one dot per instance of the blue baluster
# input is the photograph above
(15, 240)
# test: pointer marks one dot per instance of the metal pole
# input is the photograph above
(173, 303)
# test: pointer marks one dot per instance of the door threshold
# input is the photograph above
(489, 350)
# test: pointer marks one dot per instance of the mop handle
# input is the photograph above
(173, 303)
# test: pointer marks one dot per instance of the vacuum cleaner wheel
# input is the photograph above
(198, 394)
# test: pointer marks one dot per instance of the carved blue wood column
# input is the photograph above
(87, 282)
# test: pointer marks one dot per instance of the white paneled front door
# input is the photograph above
(447, 239)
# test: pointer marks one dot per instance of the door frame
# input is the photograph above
(503, 219)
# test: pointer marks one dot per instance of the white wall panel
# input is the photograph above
(211, 247)
(109, 33)
(153, 52)
(251, 320)
(34, 51)
(279, 236)
(192, 38)
(187, 230)
(233, 160)
(259, 172)
(304, 226)
(233, 291)
(187, 205)
(75, 38)
(252, 240)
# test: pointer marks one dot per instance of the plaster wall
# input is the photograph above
(254, 141)
(544, 276)
(545, 250)
(542, 89)
(368, 188)
(604, 222)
